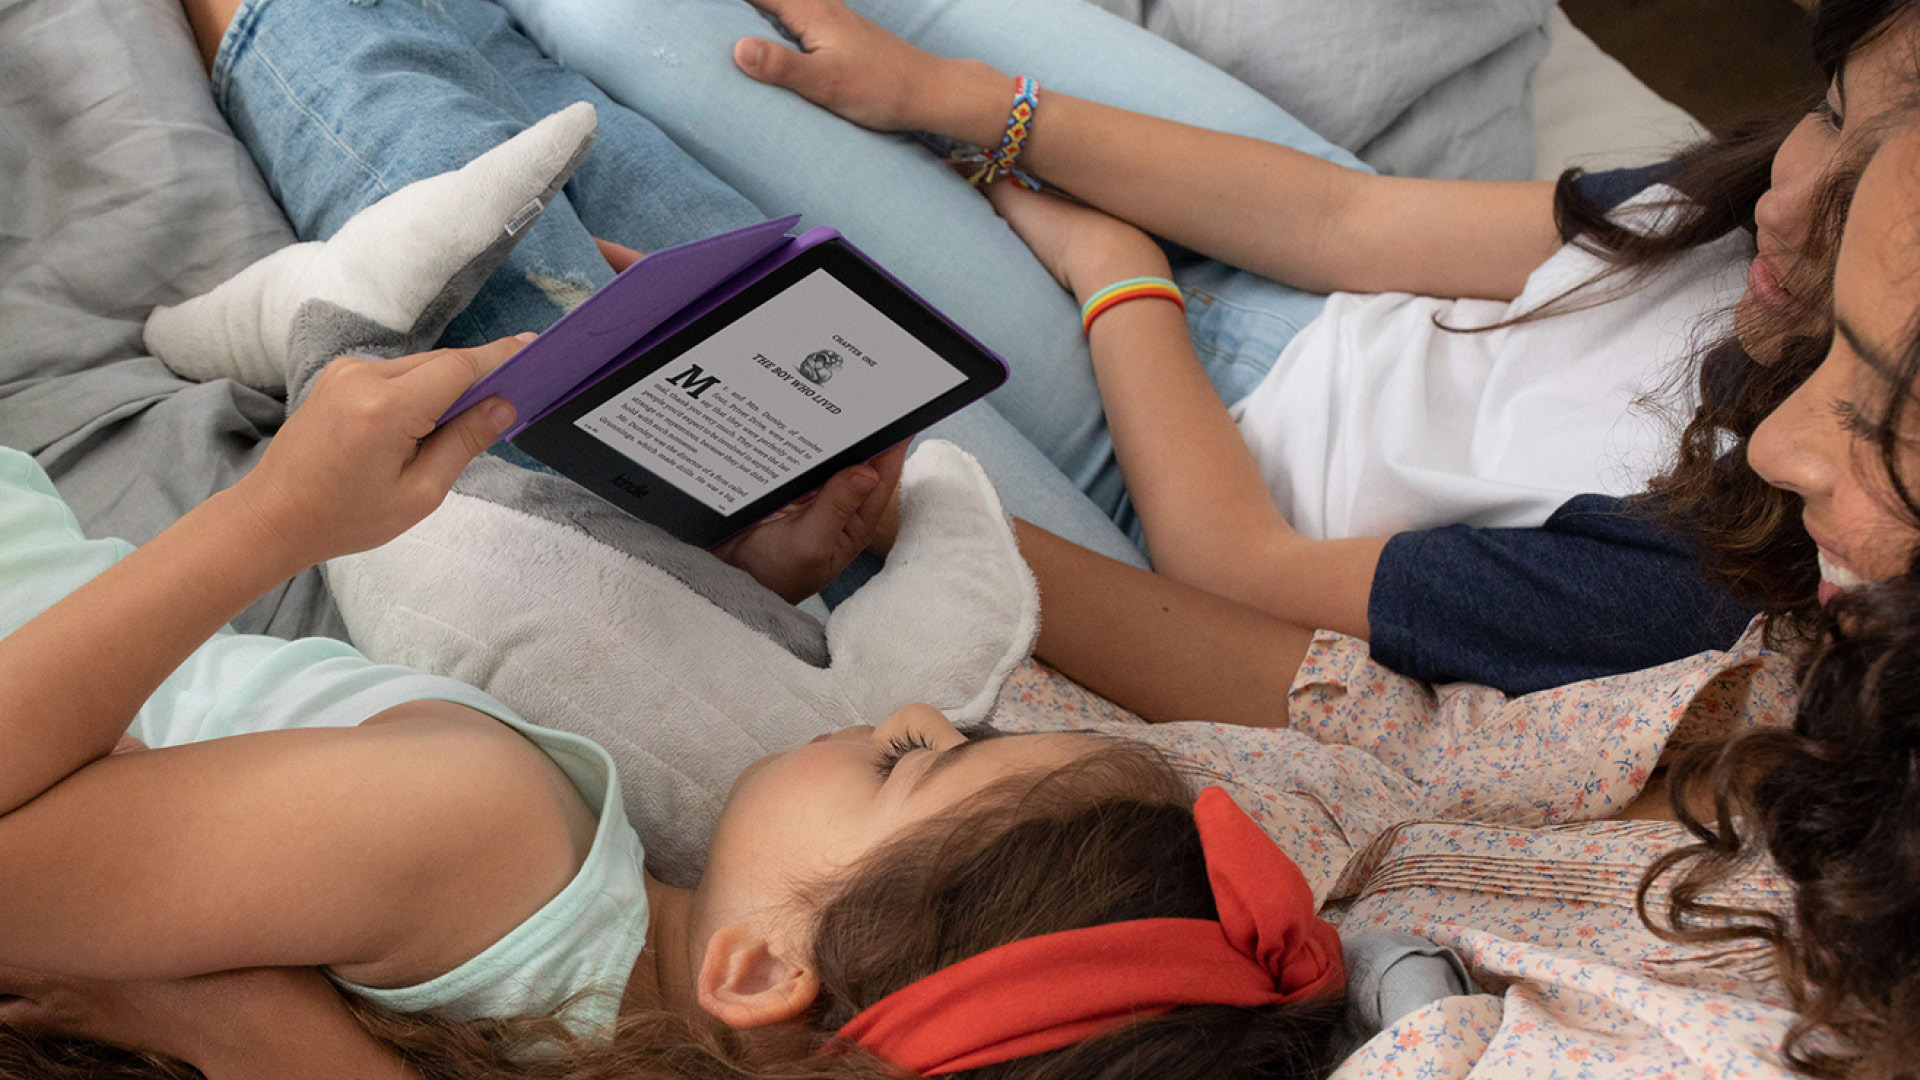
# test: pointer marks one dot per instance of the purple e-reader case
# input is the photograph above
(649, 303)
(625, 316)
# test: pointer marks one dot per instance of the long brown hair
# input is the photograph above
(1108, 838)
(1720, 180)
(1746, 533)
(1834, 803)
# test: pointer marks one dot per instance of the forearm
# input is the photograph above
(254, 1024)
(1210, 520)
(1264, 207)
(298, 1031)
(1193, 481)
(73, 678)
(1162, 649)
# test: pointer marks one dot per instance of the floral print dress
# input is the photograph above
(1478, 820)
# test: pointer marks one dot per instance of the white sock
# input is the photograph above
(387, 263)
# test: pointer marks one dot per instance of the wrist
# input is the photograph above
(260, 531)
(963, 99)
(1100, 271)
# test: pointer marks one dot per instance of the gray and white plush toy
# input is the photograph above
(573, 614)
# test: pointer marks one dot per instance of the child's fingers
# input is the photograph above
(846, 494)
(795, 15)
(479, 358)
(889, 464)
(618, 256)
(449, 450)
(1026, 212)
(774, 64)
(864, 522)
(879, 519)
(1022, 207)
(435, 380)
(818, 539)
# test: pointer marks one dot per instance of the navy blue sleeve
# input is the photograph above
(1607, 190)
(1598, 590)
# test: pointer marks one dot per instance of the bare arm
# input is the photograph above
(1162, 649)
(1260, 206)
(391, 851)
(279, 1023)
(1209, 518)
(61, 706)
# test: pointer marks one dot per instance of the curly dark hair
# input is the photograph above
(1745, 532)
(1722, 179)
(1719, 180)
(1834, 803)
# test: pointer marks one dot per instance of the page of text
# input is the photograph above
(795, 381)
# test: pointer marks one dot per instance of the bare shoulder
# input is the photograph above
(392, 852)
(503, 830)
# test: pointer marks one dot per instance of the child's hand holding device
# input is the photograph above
(360, 461)
(798, 550)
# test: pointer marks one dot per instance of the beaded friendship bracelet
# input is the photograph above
(1120, 292)
(992, 166)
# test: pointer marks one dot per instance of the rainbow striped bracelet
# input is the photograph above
(1122, 291)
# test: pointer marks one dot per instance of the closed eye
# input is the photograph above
(899, 747)
(1856, 425)
(902, 745)
(1829, 114)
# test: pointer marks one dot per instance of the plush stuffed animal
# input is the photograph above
(575, 615)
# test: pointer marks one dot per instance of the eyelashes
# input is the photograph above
(1830, 115)
(1856, 425)
(907, 742)
(900, 746)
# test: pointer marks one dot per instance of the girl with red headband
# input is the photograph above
(903, 899)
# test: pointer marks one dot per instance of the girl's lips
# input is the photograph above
(1763, 284)
(1835, 578)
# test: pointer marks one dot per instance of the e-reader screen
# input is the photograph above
(822, 363)
(794, 382)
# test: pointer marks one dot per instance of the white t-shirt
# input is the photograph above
(1375, 420)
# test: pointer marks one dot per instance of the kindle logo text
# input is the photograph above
(631, 486)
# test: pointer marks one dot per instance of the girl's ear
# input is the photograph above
(744, 982)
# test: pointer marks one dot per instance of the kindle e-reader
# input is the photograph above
(702, 399)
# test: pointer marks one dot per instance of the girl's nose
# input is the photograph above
(1794, 448)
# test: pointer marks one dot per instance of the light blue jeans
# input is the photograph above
(342, 102)
(672, 61)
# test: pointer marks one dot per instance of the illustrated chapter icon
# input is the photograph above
(819, 366)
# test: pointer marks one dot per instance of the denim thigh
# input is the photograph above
(342, 102)
(671, 60)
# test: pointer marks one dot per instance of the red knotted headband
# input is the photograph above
(1048, 992)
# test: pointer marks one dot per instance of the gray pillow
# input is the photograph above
(1440, 88)
(121, 188)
